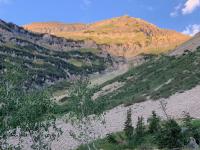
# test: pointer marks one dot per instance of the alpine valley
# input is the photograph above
(117, 84)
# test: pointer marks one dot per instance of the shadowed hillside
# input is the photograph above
(48, 59)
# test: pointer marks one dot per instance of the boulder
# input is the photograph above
(193, 144)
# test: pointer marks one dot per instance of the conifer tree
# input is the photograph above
(154, 123)
(170, 135)
(128, 129)
(140, 128)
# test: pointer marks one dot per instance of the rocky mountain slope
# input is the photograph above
(121, 36)
(190, 45)
(174, 80)
(48, 59)
(159, 77)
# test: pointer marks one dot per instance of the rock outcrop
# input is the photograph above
(193, 144)
(49, 59)
(11, 33)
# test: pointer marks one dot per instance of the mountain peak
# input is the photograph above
(120, 36)
(125, 20)
(124, 17)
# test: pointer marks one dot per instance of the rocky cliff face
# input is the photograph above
(49, 59)
(11, 33)
(121, 36)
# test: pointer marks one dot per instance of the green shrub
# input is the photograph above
(170, 135)
(154, 123)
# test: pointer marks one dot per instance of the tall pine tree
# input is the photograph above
(140, 128)
(128, 129)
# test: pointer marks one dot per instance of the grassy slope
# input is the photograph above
(104, 144)
(160, 77)
(43, 64)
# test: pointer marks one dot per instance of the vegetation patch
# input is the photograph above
(76, 62)
(156, 134)
(47, 67)
(160, 77)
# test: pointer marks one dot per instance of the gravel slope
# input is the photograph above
(188, 101)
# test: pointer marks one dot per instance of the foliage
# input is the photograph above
(190, 129)
(47, 66)
(128, 129)
(111, 139)
(24, 113)
(159, 77)
(154, 123)
(187, 120)
(83, 113)
(170, 135)
(140, 128)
